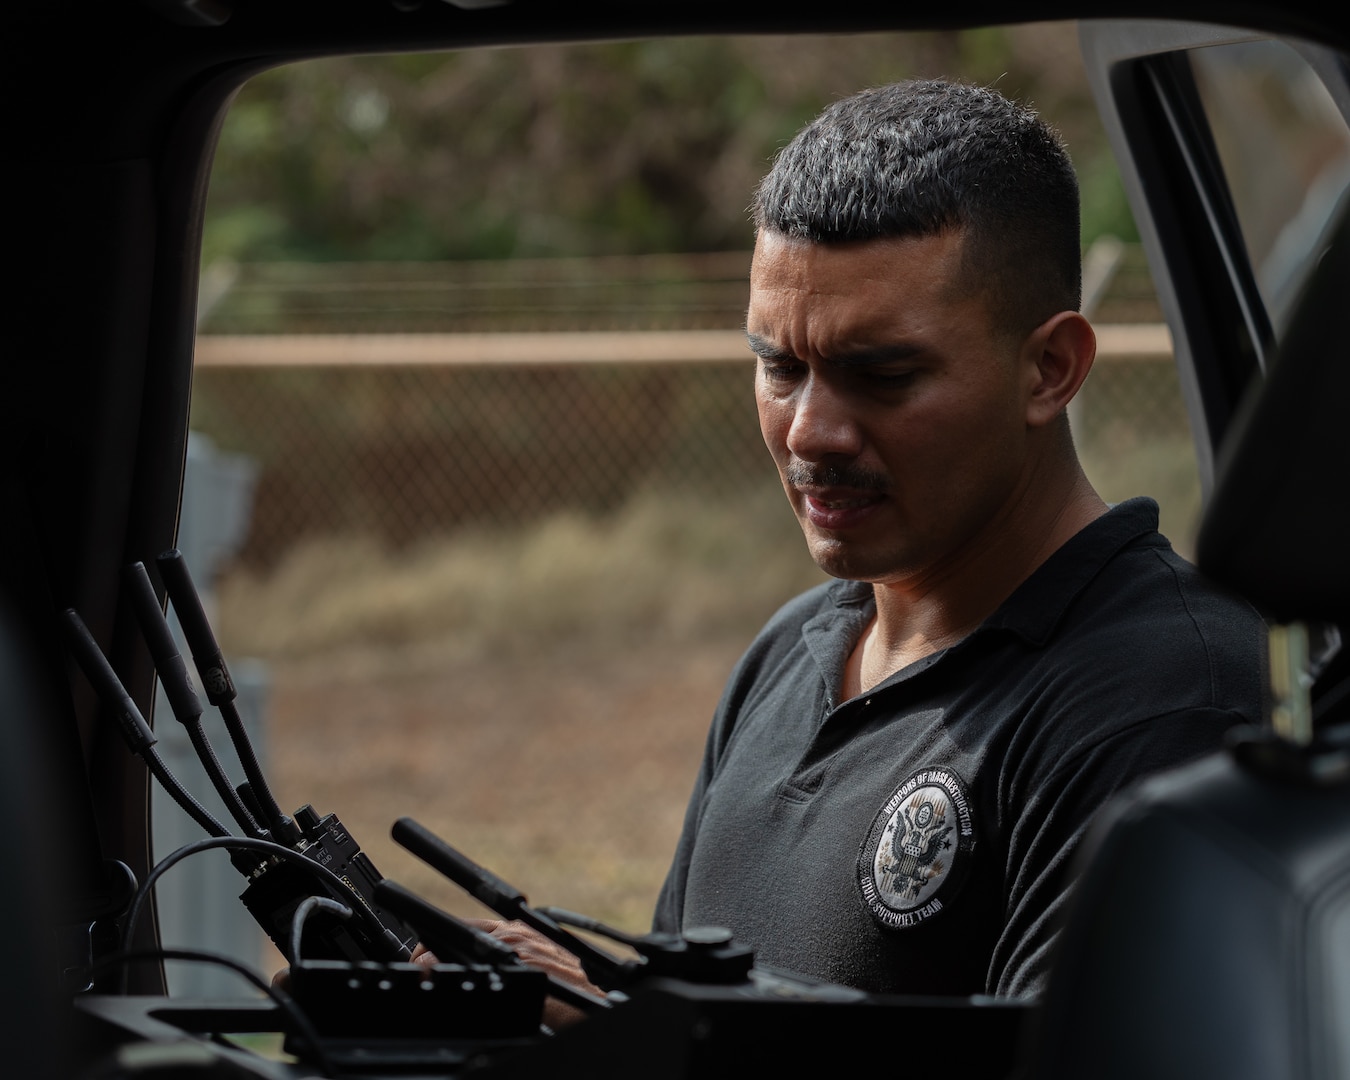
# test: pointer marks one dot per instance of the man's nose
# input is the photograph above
(823, 424)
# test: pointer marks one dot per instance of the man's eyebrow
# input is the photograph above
(766, 349)
(872, 356)
(875, 356)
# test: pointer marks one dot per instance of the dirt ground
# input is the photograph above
(566, 773)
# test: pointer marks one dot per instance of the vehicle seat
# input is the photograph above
(1210, 934)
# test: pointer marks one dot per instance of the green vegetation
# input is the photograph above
(585, 149)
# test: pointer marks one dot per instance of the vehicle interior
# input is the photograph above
(1212, 932)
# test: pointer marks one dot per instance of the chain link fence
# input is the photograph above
(403, 453)
(400, 452)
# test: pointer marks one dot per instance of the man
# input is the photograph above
(905, 759)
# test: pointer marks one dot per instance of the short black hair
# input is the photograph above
(921, 157)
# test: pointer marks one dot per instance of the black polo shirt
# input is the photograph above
(918, 838)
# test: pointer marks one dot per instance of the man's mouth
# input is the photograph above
(842, 504)
(836, 497)
(839, 511)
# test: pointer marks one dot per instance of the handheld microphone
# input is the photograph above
(506, 900)
(441, 932)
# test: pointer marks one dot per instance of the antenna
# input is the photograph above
(135, 730)
(187, 709)
(219, 687)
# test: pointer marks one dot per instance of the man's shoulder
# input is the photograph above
(1124, 628)
(1164, 636)
(1149, 587)
(1119, 572)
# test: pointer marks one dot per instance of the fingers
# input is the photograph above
(424, 956)
(540, 952)
(536, 950)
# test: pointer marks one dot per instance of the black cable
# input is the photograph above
(283, 1000)
(584, 922)
(246, 796)
(206, 754)
(242, 843)
(248, 758)
(184, 798)
(302, 913)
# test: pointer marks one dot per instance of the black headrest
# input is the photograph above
(1277, 528)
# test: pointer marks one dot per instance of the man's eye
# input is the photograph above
(888, 377)
(780, 370)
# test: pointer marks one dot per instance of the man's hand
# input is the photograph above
(538, 952)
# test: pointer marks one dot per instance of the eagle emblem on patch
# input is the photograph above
(917, 849)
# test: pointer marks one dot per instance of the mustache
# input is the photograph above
(806, 474)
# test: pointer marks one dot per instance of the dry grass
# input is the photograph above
(568, 779)
(538, 698)
(663, 569)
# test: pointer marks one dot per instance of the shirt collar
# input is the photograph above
(1032, 611)
(1037, 605)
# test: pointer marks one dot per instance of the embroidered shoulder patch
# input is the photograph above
(917, 849)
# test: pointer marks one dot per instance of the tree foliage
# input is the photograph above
(590, 149)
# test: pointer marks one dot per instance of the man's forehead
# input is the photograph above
(779, 260)
(866, 281)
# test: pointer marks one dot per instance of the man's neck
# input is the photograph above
(916, 618)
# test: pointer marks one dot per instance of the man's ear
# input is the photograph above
(1057, 357)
